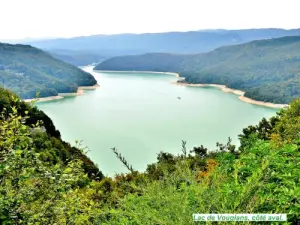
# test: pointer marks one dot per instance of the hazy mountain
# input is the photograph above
(77, 58)
(171, 42)
(268, 70)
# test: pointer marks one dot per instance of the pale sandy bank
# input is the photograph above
(237, 92)
(267, 104)
(89, 87)
(45, 99)
(134, 71)
(80, 91)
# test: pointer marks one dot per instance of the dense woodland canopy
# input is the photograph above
(267, 70)
(42, 182)
(27, 70)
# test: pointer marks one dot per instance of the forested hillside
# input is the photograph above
(267, 70)
(27, 70)
(159, 62)
(261, 176)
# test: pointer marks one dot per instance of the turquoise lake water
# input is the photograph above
(140, 114)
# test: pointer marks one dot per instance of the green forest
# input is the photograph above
(44, 180)
(267, 70)
(27, 71)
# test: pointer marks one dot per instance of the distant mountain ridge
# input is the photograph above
(191, 42)
(27, 70)
(77, 58)
(267, 70)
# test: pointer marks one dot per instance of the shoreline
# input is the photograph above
(221, 87)
(80, 92)
(240, 93)
(135, 71)
(266, 104)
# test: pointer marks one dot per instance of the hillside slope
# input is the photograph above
(159, 62)
(267, 70)
(27, 70)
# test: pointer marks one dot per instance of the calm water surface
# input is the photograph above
(140, 114)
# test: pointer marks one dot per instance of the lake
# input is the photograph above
(140, 114)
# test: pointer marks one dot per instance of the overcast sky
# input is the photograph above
(67, 18)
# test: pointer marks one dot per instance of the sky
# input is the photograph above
(68, 18)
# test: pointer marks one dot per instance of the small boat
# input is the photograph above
(178, 98)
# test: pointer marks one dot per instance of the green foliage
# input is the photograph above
(31, 190)
(264, 181)
(267, 70)
(46, 139)
(27, 70)
(288, 127)
(283, 128)
(123, 160)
